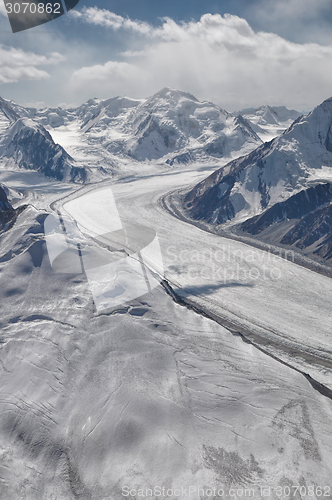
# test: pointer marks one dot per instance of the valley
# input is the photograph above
(218, 375)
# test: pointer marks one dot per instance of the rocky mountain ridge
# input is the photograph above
(283, 183)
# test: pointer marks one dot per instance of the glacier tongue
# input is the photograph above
(152, 395)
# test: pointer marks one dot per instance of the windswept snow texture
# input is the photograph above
(285, 179)
(151, 396)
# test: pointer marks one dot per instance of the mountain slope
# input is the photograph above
(27, 144)
(175, 125)
(8, 115)
(110, 136)
(287, 178)
(270, 121)
(171, 126)
(8, 214)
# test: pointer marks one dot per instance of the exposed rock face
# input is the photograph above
(30, 146)
(175, 124)
(286, 179)
(297, 160)
(8, 214)
(215, 200)
(299, 205)
(313, 230)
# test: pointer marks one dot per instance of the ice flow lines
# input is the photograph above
(122, 261)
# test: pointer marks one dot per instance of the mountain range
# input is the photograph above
(281, 192)
(207, 381)
(96, 138)
(278, 191)
(269, 121)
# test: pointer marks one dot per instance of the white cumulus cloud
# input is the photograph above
(16, 64)
(103, 17)
(220, 58)
(111, 74)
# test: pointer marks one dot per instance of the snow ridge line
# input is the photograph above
(235, 330)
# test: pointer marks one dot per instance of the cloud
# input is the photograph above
(297, 20)
(292, 10)
(16, 65)
(220, 58)
(113, 72)
(103, 17)
(169, 29)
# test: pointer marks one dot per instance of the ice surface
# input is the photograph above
(151, 393)
(154, 395)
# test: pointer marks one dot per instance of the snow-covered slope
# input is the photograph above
(155, 394)
(171, 126)
(281, 180)
(176, 126)
(104, 136)
(269, 121)
(8, 114)
(12, 111)
(27, 144)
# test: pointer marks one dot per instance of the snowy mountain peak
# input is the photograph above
(315, 127)
(172, 95)
(269, 121)
(175, 125)
(7, 111)
(301, 158)
(268, 114)
(26, 125)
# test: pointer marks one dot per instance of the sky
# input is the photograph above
(235, 53)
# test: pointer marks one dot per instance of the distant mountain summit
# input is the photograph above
(99, 137)
(176, 126)
(270, 115)
(279, 190)
(269, 121)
